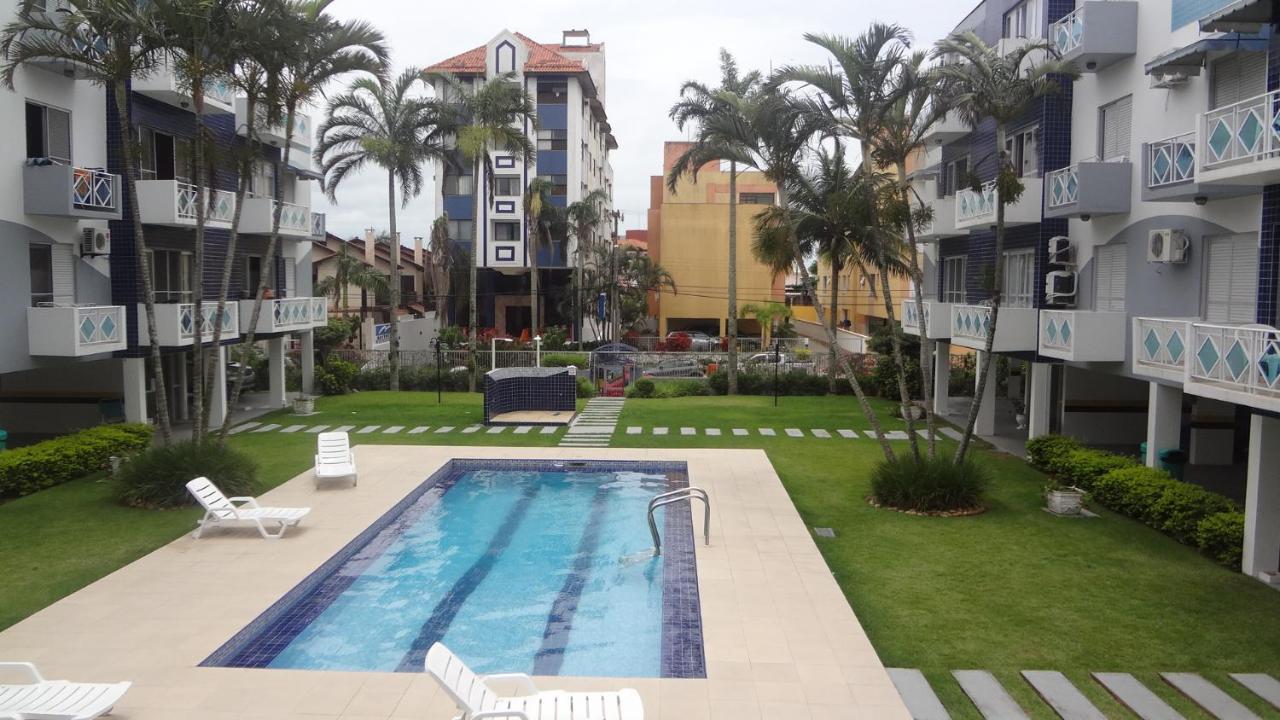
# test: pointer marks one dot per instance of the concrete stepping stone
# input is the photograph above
(952, 433)
(344, 428)
(688, 431)
(522, 430)
(1262, 685)
(243, 427)
(921, 701)
(496, 430)
(317, 429)
(988, 695)
(293, 428)
(713, 432)
(848, 434)
(794, 432)
(394, 429)
(588, 430)
(660, 431)
(420, 429)
(740, 432)
(767, 432)
(888, 434)
(267, 428)
(1055, 689)
(1209, 696)
(367, 429)
(470, 429)
(635, 430)
(444, 429)
(819, 433)
(549, 429)
(1131, 693)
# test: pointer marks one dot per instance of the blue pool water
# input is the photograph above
(517, 566)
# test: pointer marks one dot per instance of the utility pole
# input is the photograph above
(617, 303)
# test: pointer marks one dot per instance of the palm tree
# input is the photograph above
(698, 103)
(983, 85)
(108, 42)
(483, 117)
(769, 315)
(639, 276)
(584, 216)
(350, 271)
(537, 201)
(440, 264)
(378, 122)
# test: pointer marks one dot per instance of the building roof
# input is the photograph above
(328, 247)
(542, 59)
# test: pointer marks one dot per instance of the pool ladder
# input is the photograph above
(684, 494)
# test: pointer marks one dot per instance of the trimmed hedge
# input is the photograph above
(793, 382)
(1185, 512)
(932, 485)
(579, 360)
(669, 388)
(53, 462)
(411, 378)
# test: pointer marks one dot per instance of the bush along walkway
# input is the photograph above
(1057, 691)
(594, 426)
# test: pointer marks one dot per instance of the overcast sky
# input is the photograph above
(651, 47)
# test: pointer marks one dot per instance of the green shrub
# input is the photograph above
(642, 388)
(1043, 451)
(578, 360)
(1182, 506)
(586, 390)
(554, 337)
(682, 387)
(1082, 467)
(793, 382)
(1221, 537)
(1132, 491)
(335, 376)
(158, 477)
(933, 485)
(52, 462)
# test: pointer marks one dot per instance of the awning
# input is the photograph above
(305, 173)
(1190, 58)
(1241, 16)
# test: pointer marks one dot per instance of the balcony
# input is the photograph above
(1160, 347)
(75, 330)
(85, 44)
(1082, 335)
(1097, 34)
(164, 85)
(948, 128)
(937, 319)
(1169, 173)
(943, 222)
(71, 192)
(287, 314)
(256, 218)
(1235, 363)
(1016, 329)
(977, 209)
(273, 134)
(176, 326)
(173, 203)
(318, 228)
(1240, 144)
(1087, 189)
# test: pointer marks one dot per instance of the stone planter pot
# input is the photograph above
(1021, 420)
(912, 412)
(1067, 501)
(304, 405)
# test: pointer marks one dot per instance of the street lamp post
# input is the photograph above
(439, 386)
(777, 360)
(493, 351)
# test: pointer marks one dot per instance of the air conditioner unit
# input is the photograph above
(1167, 246)
(1060, 287)
(1167, 81)
(95, 241)
(1061, 251)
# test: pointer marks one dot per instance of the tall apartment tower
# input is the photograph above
(573, 138)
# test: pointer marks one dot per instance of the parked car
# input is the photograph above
(675, 367)
(234, 369)
(699, 341)
(764, 362)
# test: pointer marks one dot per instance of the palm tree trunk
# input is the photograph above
(984, 375)
(144, 260)
(577, 290)
(833, 349)
(393, 253)
(472, 273)
(202, 215)
(733, 279)
(533, 285)
(927, 345)
(895, 331)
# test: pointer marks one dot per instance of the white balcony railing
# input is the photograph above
(1160, 347)
(221, 207)
(187, 315)
(319, 311)
(973, 206)
(1068, 33)
(295, 217)
(1056, 331)
(288, 314)
(1244, 131)
(318, 228)
(75, 330)
(94, 189)
(1171, 161)
(1082, 335)
(970, 321)
(1064, 187)
(258, 215)
(1242, 359)
(1016, 331)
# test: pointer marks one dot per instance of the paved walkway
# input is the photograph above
(1067, 701)
(594, 426)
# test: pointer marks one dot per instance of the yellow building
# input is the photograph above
(689, 236)
(860, 305)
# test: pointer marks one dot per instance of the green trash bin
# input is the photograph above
(4, 439)
(1172, 461)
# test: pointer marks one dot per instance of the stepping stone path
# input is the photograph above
(848, 434)
(713, 432)
(740, 432)
(688, 431)
(367, 429)
(1062, 696)
(767, 432)
(522, 430)
(496, 430)
(594, 426)
(468, 430)
(317, 429)
(1135, 696)
(243, 427)
(393, 430)
(1264, 686)
(344, 428)
(1208, 696)
(989, 697)
(267, 428)
(821, 434)
(292, 428)
(635, 430)
(794, 432)
(916, 693)
(444, 429)
(420, 429)
(661, 431)
(549, 430)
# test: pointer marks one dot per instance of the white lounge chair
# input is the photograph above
(334, 458)
(478, 701)
(43, 699)
(222, 510)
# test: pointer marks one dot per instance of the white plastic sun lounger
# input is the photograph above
(478, 701)
(334, 459)
(43, 699)
(222, 510)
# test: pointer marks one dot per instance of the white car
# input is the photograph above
(763, 362)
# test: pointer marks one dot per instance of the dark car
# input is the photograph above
(234, 369)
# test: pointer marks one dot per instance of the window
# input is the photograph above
(48, 133)
(41, 274)
(953, 279)
(1023, 21)
(163, 157)
(559, 184)
(553, 139)
(252, 275)
(755, 198)
(407, 287)
(1237, 77)
(1110, 264)
(171, 275)
(956, 176)
(262, 181)
(459, 185)
(1022, 149)
(459, 229)
(1019, 278)
(507, 186)
(506, 232)
(1114, 128)
(1231, 293)
(554, 92)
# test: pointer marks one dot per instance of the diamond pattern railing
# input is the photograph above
(1057, 330)
(1162, 344)
(318, 228)
(1241, 358)
(910, 317)
(1063, 187)
(220, 91)
(99, 325)
(291, 313)
(93, 189)
(295, 217)
(186, 320)
(970, 321)
(319, 310)
(1067, 33)
(972, 206)
(221, 208)
(1171, 161)
(1247, 130)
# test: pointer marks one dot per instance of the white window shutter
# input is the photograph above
(1110, 265)
(1238, 77)
(290, 277)
(58, 125)
(1117, 124)
(64, 274)
(1231, 286)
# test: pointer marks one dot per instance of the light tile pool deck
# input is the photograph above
(781, 641)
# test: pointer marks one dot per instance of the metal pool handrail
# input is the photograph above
(690, 493)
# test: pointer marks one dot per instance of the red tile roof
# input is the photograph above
(542, 58)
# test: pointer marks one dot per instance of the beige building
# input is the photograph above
(325, 253)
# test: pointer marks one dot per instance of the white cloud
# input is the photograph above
(651, 48)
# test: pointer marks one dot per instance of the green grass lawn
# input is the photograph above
(1009, 590)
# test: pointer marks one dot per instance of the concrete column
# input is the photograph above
(275, 372)
(986, 424)
(178, 368)
(135, 390)
(218, 392)
(1262, 501)
(941, 377)
(1164, 420)
(308, 362)
(1213, 425)
(1037, 398)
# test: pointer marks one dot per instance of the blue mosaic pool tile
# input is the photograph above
(682, 644)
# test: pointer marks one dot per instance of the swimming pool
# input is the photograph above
(518, 566)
